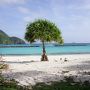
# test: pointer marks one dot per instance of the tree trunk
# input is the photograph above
(44, 56)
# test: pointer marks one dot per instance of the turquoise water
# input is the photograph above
(67, 49)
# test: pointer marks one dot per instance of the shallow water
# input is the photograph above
(37, 50)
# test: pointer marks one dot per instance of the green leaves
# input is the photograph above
(43, 30)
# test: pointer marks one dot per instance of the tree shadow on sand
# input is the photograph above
(84, 65)
(82, 71)
(20, 62)
(33, 76)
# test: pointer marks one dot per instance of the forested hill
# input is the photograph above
(6, 39)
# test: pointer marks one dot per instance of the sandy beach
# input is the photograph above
(29, 70)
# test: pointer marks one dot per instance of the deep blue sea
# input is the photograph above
(36, 49)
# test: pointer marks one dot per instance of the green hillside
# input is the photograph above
(5, 39)
(17, 40)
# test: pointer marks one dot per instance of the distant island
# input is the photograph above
(6, 39)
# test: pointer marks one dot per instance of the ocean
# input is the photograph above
(53, 49)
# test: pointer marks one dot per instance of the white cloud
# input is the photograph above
(23, 10)
(27, 19)
(2, 2)
(35, 15)
(31, 18)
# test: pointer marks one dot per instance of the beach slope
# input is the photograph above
(29, 70)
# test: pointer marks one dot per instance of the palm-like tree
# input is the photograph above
(45, 31)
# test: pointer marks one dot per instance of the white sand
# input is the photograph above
(29, 70)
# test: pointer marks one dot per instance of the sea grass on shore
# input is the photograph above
(67, 84)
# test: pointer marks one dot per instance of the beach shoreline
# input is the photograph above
(30, 70)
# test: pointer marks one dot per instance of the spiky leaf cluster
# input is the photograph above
(43, 30)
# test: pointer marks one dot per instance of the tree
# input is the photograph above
(45, 31)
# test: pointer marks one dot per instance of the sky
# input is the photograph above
(71, 16)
